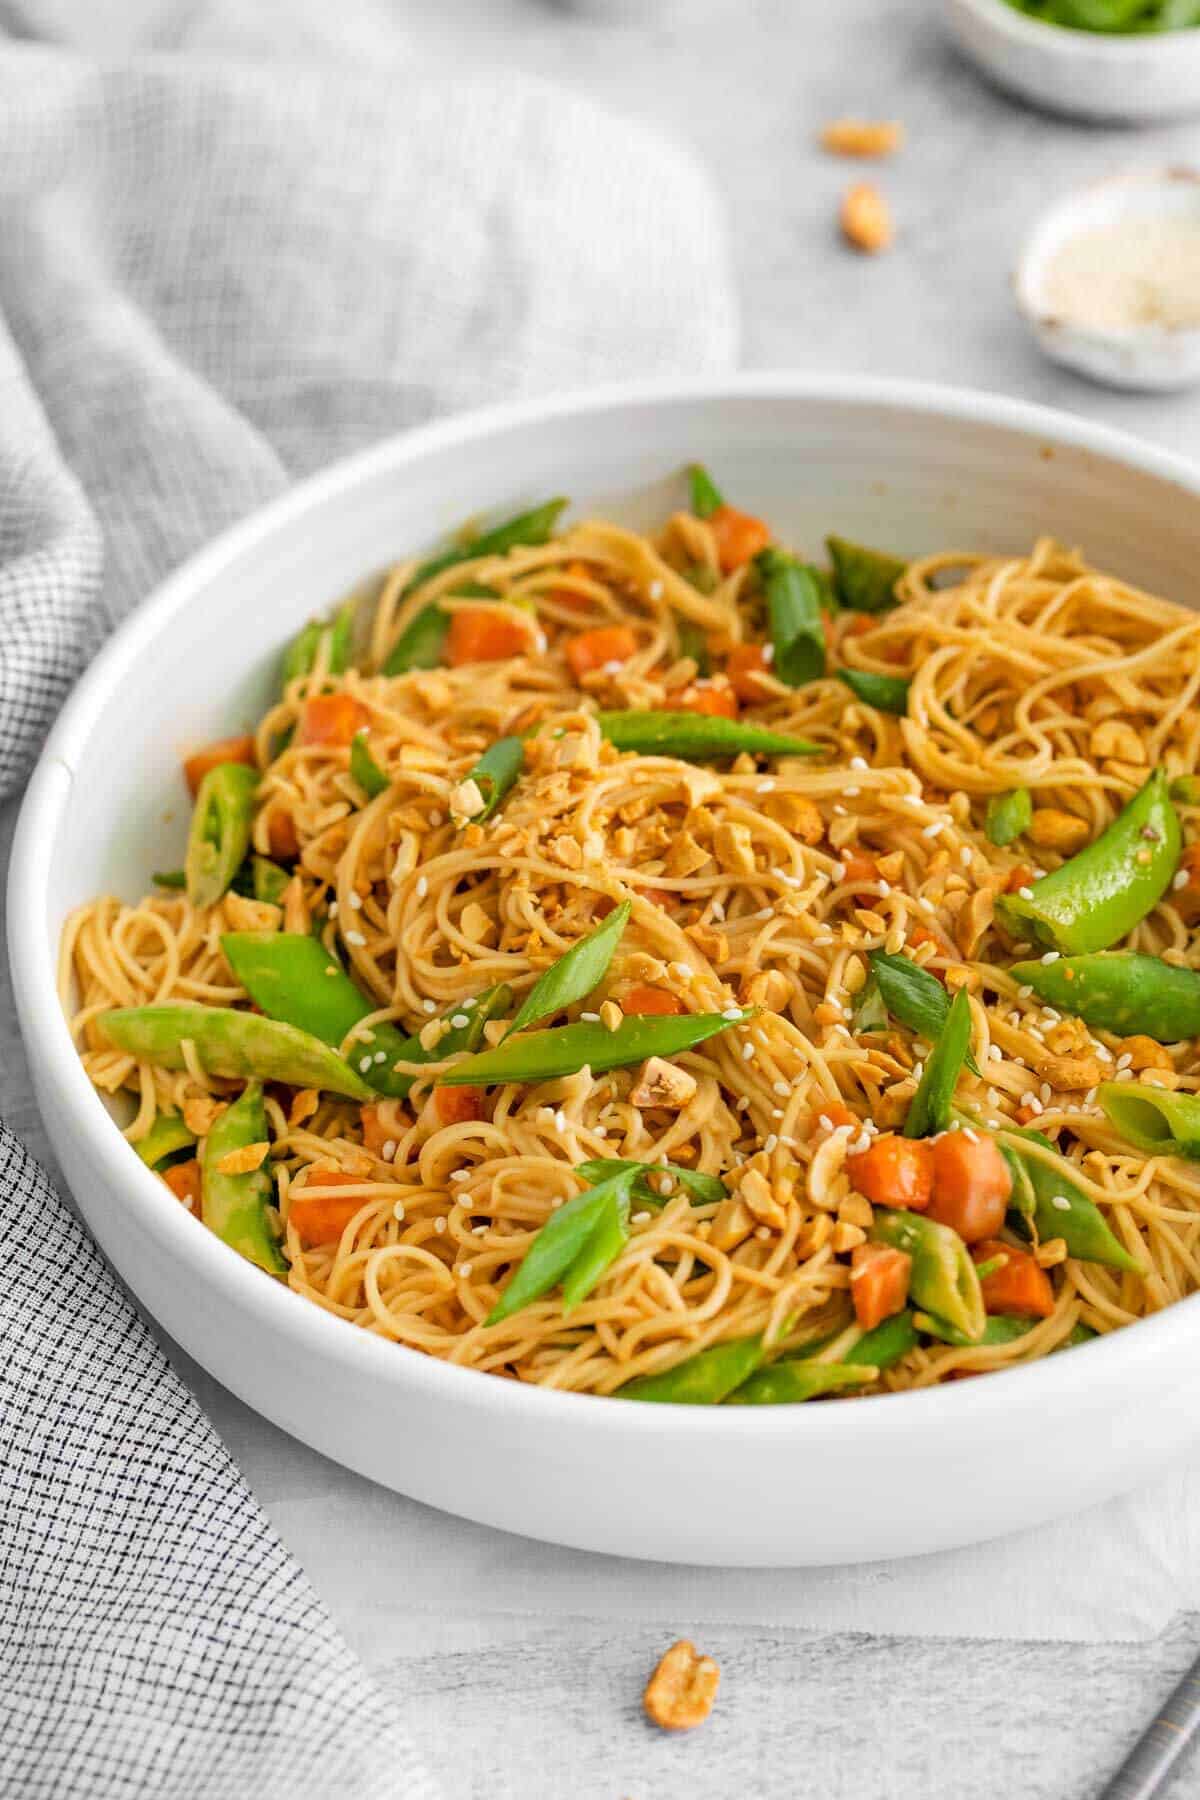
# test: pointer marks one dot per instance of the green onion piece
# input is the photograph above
(886, 693)
(220, 831)
(705, 496)
(913, 996)
(1158, 1121)
(932, 1106)
(789, 1383)
(546, 1055)
(167, 1136)
(581, 1229)
(870, 1014)
(694, 737)
(1008, 816)
(604, 1243)
(365, 770)
(575, 975)
(495, 775)
(422, 642)
(169, 878)
(794, 608)
(701, 1380)
(704, 1189)
(865, 580)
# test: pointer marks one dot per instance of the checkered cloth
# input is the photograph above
(217, 273)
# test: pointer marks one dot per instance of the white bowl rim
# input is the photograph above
(890, 1416)
(1067, 42)
(1032, 257)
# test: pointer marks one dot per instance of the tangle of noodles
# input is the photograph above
(747, 880)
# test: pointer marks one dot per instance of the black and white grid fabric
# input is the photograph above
(225, 262)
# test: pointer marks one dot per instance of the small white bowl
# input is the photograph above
(1153, 358)
(1085, 73)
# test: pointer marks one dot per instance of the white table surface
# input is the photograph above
(512, 1707)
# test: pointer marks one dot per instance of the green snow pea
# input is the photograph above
(334, 635)
(932, 1106)
(220, 831)
(169, 878)
(864, 580)
(701, 1380)
(1155, 1119)
(1120, 991)
(886, 693)
(421, 643)
(495, 775)
(1097, 897)
(575, 1246)
(702, 1189)
(1001, 1328)
(167, 1136)
(564, 1050)
(914, 996)
(695, 737)
(535, 527)
(1060, 1209)
(365, 770)
(267, 880)
(234, 1207)
(1008, 815)
(883, 1346)
(788, 1383)
(944, 1280)
(705, 498)
(231, 1043)
(575, 975)
(794, 609)
(1185, 790)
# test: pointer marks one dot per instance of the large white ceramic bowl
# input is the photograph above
(1088, 74)
(900, 465)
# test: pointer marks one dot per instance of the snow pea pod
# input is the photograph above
(695, 737)
(365, 770)
(701, 1380)
(944, 1280)
(495, 775)
(267, 880)
(421, 643)
(704, 496)
(794, 609)
(1097, 897)
(575, 974)
(1120, 991)
(535, 527)
(1155, 1119)
(1008, 815)
(564, 1050)
(700, 1188)
(932, 1106)
(234, 1207)
(885, 1345)
(1001, 1328)
(334, 635)
(788, 1383)
(576, 1244)
(167, 1136)
(220, 831)
(169, 878)
(864, 580)
(1185, 790)
(230, 1043)
(886, 693)
(1060, 1209)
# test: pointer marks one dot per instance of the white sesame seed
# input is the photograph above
(389, 1150)
(479, 1231)
(852, 793)
(1060, 1203)
(782, 1089)
(464, 1269)
(1051, 956)
(682, 970)
(655, 590)
(1124, 1075)
(439, 1225)
(460, 1021)
(995, 1052)
(839, 810)
(613, 667)
(354, 937)
(747, 1052)
(965, 855)
(560, 1120)
(364, 1063)
(422, 887)
(1180, 879)
(355, 902)
(641, 1218)
(398, 1211)
(1034, 1104)
(765, 787)
(859, 762)
(839, 871)
(1024, 993)
(333, 909)
(993, 1098)
(732, 1012)
(1026, 893)
(460, 1175)
(1045, 1093)
(590, 1018)
(1125, 1062)
(429, 1006)
(933, 830)
(768, 654)
(925, 903)
(380, 1056)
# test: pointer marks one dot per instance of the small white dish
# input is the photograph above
(1154, 357)
(1087, 74)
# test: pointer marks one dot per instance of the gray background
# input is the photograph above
(515, 1707)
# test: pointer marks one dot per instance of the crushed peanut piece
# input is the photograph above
(682, 1689)
(1144, 1053)
(1049, 1254)
(242, 1161)
(1067, 1073)
(734, 847)
(610, 1015)
(866, 219)
(769, 988)
(1052, 829)
(1113, 738)
(466, 800)
(304, 1104)
(663, 1083)
(732, 1224)
(201, 1111)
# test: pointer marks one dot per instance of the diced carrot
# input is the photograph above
(643, 1001)
(921, 934)
(234, 749)
(183, 1179)
(457, 1105)
(1020, 1286)
(879, 1277)
(281, 836)
(330, 719)
(836, 1113)
(860, 866)
(715, 702)
(667, 898)
(894, 1171)
(860, 623)
(484, 634)
(588, 651)
(971, 1185)
(738, 536)
(383, 1122)
(1021, 876)
(746, 666)
(323, 1219)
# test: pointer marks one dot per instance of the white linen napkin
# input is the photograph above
(215, 275)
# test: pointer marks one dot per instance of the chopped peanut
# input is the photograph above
(866, 219)
(862, 137)
(685, 855)
(1113, 738)
(769, 988)
(1052, 829)
(1144, 1053)
(304, 1104)
(755, 1189)
(200, 1112)
(732, 1224)
(610, 1015)
(735, 848)
(663, 1083)
(242, 1161)
(800, 815)
(682, 1689)
(1067, 1073)
(475, 924)
(466, 800)
(243, 914)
